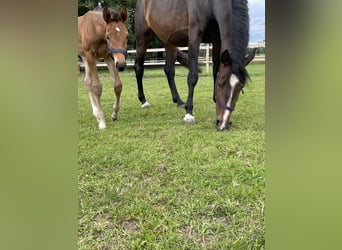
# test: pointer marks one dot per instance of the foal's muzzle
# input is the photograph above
(120, 66)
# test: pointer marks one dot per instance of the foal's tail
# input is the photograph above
(183, 59)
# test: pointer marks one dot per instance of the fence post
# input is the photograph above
(207, 62)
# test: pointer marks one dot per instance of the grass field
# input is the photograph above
(150, 182)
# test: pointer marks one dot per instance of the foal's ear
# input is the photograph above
(225, 58)
(250, 57)
(123, 14)
(106, 14)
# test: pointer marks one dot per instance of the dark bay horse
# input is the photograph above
(103, 34)
(224, 23)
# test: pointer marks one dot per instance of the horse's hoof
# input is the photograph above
(222, 127)
(189, 119)
(114, 117)
(102, 125)
(146, 105)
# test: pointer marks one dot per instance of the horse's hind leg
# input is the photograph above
(117, 87)
(169, 69)
(94, 88)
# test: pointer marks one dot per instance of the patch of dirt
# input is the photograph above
(130, 225)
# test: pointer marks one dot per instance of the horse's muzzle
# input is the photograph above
(120, 66)
(221, 127)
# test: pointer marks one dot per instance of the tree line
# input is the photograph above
(86, 5)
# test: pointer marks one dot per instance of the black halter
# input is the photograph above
(116, 50)
(224, 106)
(227, 107)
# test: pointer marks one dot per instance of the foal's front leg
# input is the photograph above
(117, 88)
(94, 88)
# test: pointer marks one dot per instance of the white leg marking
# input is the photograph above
(116, 109)
(146, 105)
(189, 119)
(233, 81)
(102, 124)
(96, 113)
(93, 105)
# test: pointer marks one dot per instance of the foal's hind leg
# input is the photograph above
(117, 87)
(94, 88)
(169, 69)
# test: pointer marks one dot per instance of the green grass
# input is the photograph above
(150, 182)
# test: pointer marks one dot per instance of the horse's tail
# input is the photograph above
(183, 59)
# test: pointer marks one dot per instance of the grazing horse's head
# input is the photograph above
(228, 86)
(116, 36)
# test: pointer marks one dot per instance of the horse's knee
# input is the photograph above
(139, 69)
(97, 89)
(118, 88)
(192, 78)
(167, 70)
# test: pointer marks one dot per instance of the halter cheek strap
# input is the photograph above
(116, 50)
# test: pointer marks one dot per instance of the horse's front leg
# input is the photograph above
(194, 43)
(117, 88)
(216, 63)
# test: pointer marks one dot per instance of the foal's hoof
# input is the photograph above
(146, 105)
(114, 117)
(102, 125)
(189, 119)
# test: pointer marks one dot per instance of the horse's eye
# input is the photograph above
(107, 37)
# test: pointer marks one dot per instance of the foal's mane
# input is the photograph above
(240, 38)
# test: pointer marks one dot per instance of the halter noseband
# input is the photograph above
(225, 106)
(116, 50)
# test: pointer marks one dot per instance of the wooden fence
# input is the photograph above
(155, 57)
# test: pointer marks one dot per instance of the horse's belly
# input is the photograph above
(169, 20)
(179, 38)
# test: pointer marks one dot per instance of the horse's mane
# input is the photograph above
(240, 38)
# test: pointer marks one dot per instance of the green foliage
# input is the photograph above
(86, 5)
(150, 182)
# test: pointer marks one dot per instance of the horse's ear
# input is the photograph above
(123, 14)
(250, 57)
(225, 58)
(106, 14)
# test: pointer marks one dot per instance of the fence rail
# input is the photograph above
(203, 59)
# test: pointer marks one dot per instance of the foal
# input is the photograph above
(103, 35)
